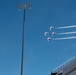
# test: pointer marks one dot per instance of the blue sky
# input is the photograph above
(40, 56)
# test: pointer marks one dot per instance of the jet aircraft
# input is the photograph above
(51, 28)
(53, 33)
(46, 33)
(48, 39)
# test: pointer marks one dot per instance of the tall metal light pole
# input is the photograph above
(24, 7)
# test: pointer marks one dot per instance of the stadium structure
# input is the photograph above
(67, 68)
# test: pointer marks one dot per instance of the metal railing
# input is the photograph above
(59, 68)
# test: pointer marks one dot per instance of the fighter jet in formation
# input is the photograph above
(51, 28)
(48, 39)
(46, 33)
(53, 33)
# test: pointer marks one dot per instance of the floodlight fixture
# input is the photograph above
(24, 6)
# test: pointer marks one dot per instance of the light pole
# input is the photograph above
(24, 7)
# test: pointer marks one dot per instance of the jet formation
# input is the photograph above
(50, 33)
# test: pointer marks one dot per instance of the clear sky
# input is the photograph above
(40, 56)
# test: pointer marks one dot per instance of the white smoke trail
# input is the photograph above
(73, 26)
(65, 38)
(67, 33)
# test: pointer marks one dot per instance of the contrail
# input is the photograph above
(65, 38)
(67, 33)
(73, 26)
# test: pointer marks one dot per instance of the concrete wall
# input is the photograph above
(72, 73)
(70, 69)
